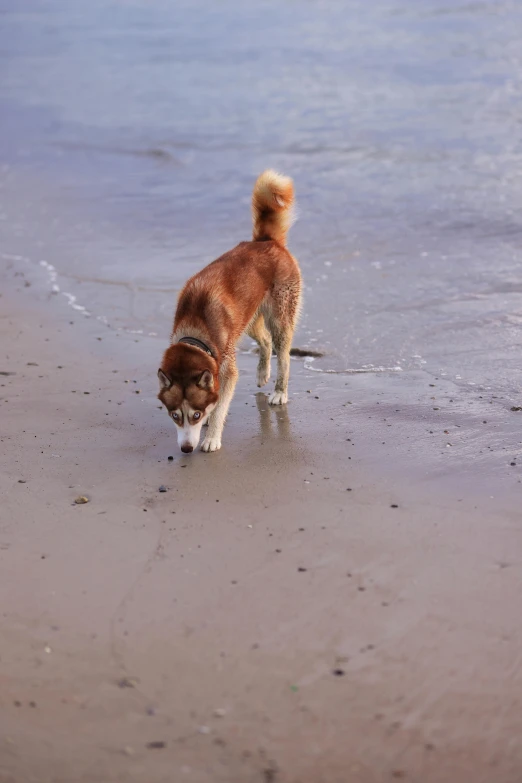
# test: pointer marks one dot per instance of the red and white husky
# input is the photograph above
(254, 288)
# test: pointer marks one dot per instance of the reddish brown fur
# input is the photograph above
(184, 365)
(223, 298)
(254, 287)
(272, 203)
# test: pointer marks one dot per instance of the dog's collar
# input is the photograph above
(198, 344)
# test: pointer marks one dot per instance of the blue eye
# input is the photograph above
(175, 416)
(197, 416)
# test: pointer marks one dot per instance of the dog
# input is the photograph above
(253, 288)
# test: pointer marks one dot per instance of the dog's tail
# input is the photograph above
(272, 207)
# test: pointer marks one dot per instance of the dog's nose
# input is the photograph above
(187, 448)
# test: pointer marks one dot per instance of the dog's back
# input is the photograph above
(227, 293)
(225, 296)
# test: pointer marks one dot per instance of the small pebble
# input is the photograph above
(163, 488)
(394, 505)
(156, 745)
(301, 569)
(22, 481)
(170, 459)
(127, 682)
(338, 672)
(81, 499)
(220, 712)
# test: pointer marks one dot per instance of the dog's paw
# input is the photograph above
(263, 376)
(278, 398)
(211, 444)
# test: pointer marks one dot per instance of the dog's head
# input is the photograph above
(189, 387)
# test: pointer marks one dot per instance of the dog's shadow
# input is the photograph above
(266, 418)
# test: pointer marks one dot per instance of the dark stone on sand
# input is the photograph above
(157, 745)
(306, 352)
(127, 682)
(163, 488)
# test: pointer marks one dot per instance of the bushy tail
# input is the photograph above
(272, 202)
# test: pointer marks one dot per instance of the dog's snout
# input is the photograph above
(187, 448)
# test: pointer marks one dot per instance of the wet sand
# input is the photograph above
(330, 598)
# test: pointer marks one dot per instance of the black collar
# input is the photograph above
(197, 343)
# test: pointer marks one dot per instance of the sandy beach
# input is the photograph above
(334, 597)
(309, 604)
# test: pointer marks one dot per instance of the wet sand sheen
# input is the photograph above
(304, 604)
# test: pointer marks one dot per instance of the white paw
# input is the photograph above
(278, 398)
(211, 444)
(263, 376)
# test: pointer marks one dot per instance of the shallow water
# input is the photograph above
(132, 133)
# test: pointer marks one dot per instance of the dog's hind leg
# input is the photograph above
(228, 375)
(258, 332)
(283, 316)
(283, 342)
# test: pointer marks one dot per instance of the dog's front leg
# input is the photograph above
(227, 383)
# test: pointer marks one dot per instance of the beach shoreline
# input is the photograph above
(329, 595)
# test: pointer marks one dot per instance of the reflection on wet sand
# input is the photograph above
(267, 415)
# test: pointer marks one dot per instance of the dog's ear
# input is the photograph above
(165, 383)
(206, 380)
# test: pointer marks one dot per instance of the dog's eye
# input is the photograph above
(175, 416)
(197, 416)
